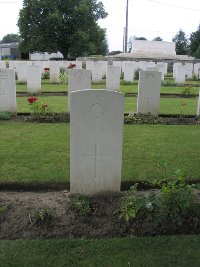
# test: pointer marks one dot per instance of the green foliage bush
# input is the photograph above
(42, 215)
(4, 115)
(81, 204)
(171, 204)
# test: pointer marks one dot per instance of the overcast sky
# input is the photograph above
(147, 18)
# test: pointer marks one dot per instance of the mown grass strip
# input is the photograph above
(166, 251)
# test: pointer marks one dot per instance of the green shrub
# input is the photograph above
(42, 215)
(187, 91)
(172, 203)
(81, 204)
(4, 115)
(168, 82)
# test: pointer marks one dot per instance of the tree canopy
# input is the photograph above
(59, 25)
(158, 38)
(10, 38)
(195, 43)
(182, 43)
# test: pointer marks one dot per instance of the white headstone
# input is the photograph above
(89, 65)
(180, 74)
(7, 90)
(21, 70)
(54, 72)
(152, 69)
(197, 70)
(188, 70)
(34, 79)
(97, 72)
(129, 71)
(198, 107)
(78, 79)
(96, 134)
(175, 65)
(118, 64)
(2, 64)
(149, 92)
(161, 68)
(113, 78)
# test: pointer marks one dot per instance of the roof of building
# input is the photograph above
(9, 45)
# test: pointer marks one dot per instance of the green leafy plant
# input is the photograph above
(187, 91)
(195, 77)
(168, 82)
(172, 203)
(81, 204)
(3, 208)
(4, 115)
(127, 210)
(184, 111)
(37, 107)
(63, 77)
(163, 165)
(41, 215)
(45, 73)
(123, 82)
(142, 119)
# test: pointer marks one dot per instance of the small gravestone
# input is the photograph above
(7, 90)
(189, 70)
(118, 64)
(78, 79)
(161, 68)
(197, 70)
(198, 107)
(129, 69)
(152, 69)
(97, 71)
(2, 64)
(21, 69)
(54, 72)
(175, 65)
(180, 74)
(113, 78)
(149, 92)
(34, 79)
(96, 134)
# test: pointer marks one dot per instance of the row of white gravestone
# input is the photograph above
(181, 72)
(148, 87)
(129, 68)
(81, 79)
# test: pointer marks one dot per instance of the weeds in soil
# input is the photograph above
(170, 205)
(187, 91)
(3, 208)
(42, 215)
(81, 204)
(184, 111)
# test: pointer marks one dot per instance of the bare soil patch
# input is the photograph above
(17, 221)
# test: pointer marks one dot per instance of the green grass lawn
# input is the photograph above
(166, 251)
(167, 105)
(33, 152)
(133, 88)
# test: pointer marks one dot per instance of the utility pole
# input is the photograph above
(126, 29)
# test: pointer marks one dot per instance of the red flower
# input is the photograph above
(46, 69)
(32, 99)
(71, 66)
